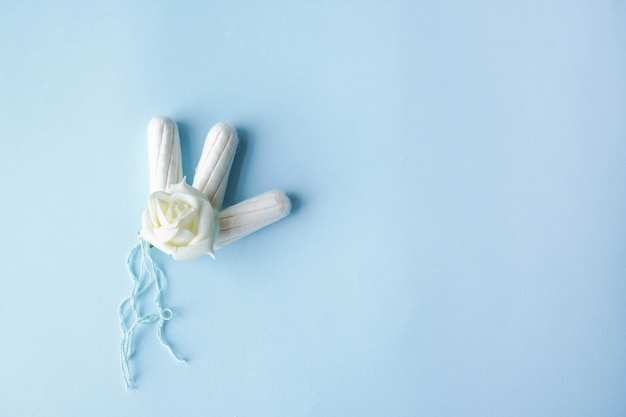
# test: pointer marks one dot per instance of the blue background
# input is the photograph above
(458, 171)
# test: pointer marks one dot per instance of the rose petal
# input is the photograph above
(184, 188)
(189, 252)
(165, 234)
(185, 199)
(147, 234)
(146, 221)
(160, 205)
(206, 224)
(181, 238)
(185, 218)
(153, 207)
(164, 247)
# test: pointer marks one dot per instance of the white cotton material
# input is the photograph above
(215, 162)
(251, 215)
(164, 154)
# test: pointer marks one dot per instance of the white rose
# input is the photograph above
(181, 222)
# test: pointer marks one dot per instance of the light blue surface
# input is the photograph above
(459, 239)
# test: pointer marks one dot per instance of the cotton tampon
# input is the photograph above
(215, 162)
(164, 154)
(251, 215)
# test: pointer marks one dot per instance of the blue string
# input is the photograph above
(145, 274)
